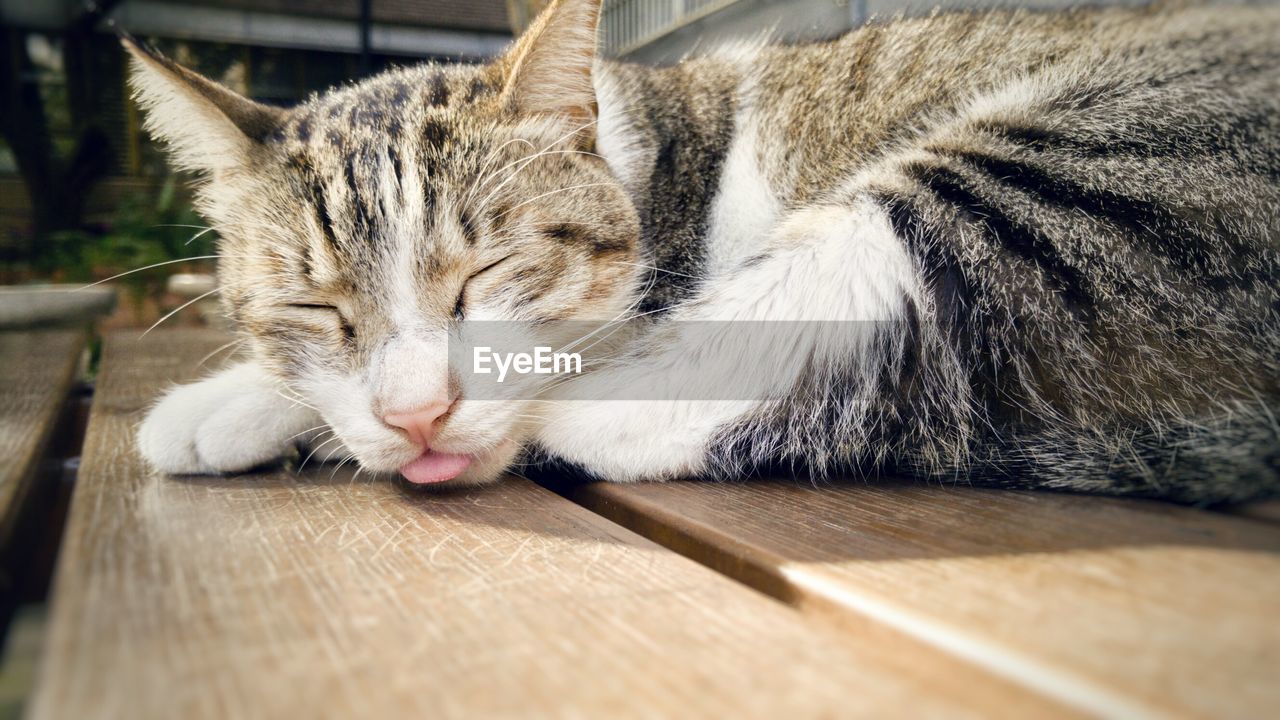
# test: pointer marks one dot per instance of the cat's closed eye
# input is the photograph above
(460, 306)
(348, 330)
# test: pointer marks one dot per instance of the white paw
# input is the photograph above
(230, 422)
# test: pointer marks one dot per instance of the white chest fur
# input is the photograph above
(745, 208)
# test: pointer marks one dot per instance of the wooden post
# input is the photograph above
(366, 23)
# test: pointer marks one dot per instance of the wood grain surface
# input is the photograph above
(1121, 608)
(37, 369)
(318, 595)
(1264, 510)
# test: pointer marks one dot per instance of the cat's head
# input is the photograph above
(360, 227)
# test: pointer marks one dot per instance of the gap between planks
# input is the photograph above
(37, 373)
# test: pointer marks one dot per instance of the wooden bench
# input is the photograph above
(37, 372)
(325, 595)
(1119, 607)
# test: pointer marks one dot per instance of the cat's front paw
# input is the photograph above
(231, 422)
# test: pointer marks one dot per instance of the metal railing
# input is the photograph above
(629, 24)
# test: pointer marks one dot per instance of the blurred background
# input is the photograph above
(85, 194)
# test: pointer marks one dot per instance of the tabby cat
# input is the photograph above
(1060, 233)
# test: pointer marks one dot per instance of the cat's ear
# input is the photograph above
(549, 69)
(205, 126)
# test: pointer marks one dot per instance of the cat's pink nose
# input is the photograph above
(420, 424)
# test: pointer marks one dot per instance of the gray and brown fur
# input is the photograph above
(1092, 199)
(1102, 253)
(321, 220)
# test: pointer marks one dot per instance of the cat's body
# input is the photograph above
(1060, 231)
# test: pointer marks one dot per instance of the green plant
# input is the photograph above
(147, 228)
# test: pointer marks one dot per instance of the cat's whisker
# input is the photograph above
(613, 328)
(549, 193)
(557, 141)
(193, 258)
(599, 363)
(224, 226)
(492, 155)
(608, 323)
(209, 357)
(484, 204)
(296, 401)
(315, 450)
(511, 471)
(606, 336)
(199, 235)
(553, 384)
(656, 269)
(148, 267)
(565, 347)
(222, 286)
(528, 463)
(666, 308)
(575, 131)
(327, 433)
(525, 162)
(178, 225)
(304, 432)
(343, 461)
(204, 229)
(619, 320)
(179, 309)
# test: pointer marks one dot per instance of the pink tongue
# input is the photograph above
(434, 467)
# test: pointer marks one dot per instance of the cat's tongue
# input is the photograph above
(434, 467)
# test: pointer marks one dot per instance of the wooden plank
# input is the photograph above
(37, 370)
(323, 595)
(1264, 510)
(1120, 607)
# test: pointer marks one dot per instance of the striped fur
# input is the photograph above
(1062, 227)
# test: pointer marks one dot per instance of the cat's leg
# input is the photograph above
(822, 264)
(232, 421)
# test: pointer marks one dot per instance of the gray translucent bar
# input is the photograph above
(662, 360)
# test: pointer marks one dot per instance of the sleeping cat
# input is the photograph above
(1059, 235)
